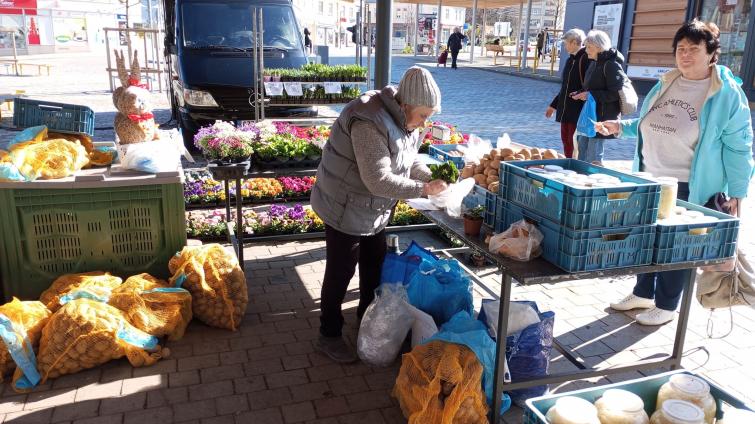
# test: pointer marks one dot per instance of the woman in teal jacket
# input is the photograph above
(694, 126)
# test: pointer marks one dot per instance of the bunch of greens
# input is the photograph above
(445, 171)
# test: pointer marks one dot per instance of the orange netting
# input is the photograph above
(152, 306)
(96, 282)
(28, 318)
(86, 333)
(216, 282)
(441, 383)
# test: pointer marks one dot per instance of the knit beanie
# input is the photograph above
(418, 88)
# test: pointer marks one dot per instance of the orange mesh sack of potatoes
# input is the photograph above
(86, 333)
(97, 285)
(21, 326)
(150, 305)
(441, 383)
(216, 282)
(48, 159)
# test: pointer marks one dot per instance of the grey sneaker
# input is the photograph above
(336, 349)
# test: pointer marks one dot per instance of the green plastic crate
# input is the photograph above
(125, 230)
(646, 388)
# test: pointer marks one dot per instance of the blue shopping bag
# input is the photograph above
(401, 268)
(587, 117)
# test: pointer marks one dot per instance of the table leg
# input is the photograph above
(681, 326)
(227, 201)
(239, 223)
(500, 350)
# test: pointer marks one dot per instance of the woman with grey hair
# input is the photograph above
(566, 108)
(369, 162)
(603, 80)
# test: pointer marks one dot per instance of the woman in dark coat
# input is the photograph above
(604, 79)
(454, 44)
(566, 108)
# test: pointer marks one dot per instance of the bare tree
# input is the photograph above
(560, 13)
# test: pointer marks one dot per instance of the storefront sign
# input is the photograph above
(646, 72)
(18, 7)
(607, 18)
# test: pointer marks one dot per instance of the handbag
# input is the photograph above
(627, 96)
(722, 289)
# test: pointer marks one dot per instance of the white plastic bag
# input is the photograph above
(521, 242)
(153, 156)
(503, 141)
(384, 327)
(475, 149)
(521, 316)
(423, 327)
(451, 198)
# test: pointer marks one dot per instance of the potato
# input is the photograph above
(534, 151)
(550, 154)
(496, 164)
(221, 297)
(536, 157)
(507, 152)
(491, 179)
(480, 179)
(485, 163)
(467, 171)
(478, 169)
(520, 157)
(525, 153)
(494, 186)
(486, 156)
(508, 158)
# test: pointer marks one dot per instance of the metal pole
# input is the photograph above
(109, 63)
(527, 35)
(15, 53)
(369, 48)
(474, 31)
(255, 88)
(416, 28)
(261, 58)
(437, 28)
(519, 29)
(384, 27)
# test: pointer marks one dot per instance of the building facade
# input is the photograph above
(50, 26)
(327, 20)
(643, 30)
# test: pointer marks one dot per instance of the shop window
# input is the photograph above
(732, 18)
(321, 7)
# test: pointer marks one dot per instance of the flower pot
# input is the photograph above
(267, 78)
(472, 226)
(314, 157)
(276, 78)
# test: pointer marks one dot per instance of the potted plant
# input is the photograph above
(299, 150)
(313, 151)
(473, 221)
(224, 144)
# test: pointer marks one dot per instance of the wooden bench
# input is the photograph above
(18, 67)
(497, 50)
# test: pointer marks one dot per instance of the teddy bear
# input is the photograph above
(134, 122)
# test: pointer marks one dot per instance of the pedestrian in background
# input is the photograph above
(307, 40)
(541, 41)
(565, 107)
(603, 80)
(695, 126)
(454, 45)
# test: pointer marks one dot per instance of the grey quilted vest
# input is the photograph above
(339, 196)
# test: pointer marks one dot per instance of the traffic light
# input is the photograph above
(352, 29)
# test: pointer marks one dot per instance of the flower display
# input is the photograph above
(223, 141)
(200, 188)
(457, 137)
(277, 220)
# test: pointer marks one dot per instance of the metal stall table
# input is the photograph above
(539, 271)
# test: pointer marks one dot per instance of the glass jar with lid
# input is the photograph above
(676, 411)
(621, 407)
(667, 202)
(689, 388)
(572, 410)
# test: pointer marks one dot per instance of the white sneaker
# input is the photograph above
(633, 302)
(655, 316)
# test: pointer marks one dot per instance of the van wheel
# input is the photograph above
(188, 130)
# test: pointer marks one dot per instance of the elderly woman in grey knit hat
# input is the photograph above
(368, 164)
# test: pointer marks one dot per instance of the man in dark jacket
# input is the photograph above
(604, 79)
(454, 44)
(565, 107)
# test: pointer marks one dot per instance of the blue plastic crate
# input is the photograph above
(491, 204)
(586, 250)
(646, 388)
(476, 197)
(58, 117)
(440, 152)
(479, 196)
(580, 209)
(683, 243)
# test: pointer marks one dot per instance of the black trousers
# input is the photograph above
(454, 55)
(343, 253)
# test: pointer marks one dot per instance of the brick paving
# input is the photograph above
(268, 372)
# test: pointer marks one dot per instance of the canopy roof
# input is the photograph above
(481, 4)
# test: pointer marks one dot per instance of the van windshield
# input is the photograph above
(229, 25)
